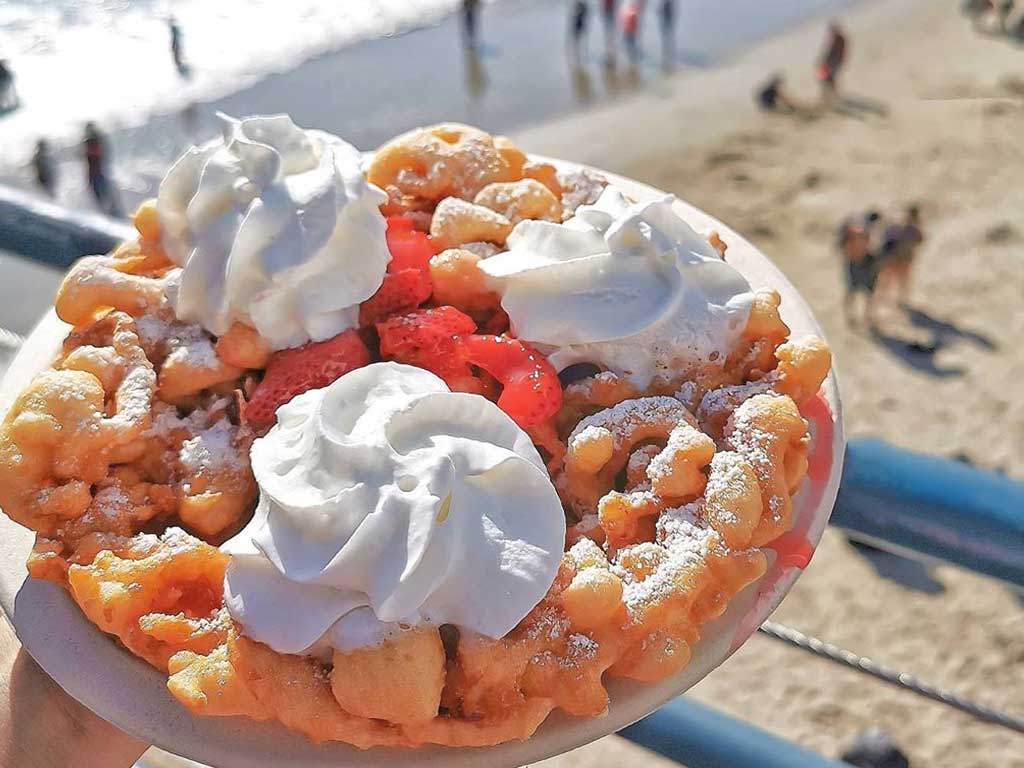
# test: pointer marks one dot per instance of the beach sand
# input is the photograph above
(952, 143)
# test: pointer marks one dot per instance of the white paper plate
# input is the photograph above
(132, 695)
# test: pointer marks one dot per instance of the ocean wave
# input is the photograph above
(110, 60)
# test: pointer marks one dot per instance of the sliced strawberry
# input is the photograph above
(291, 372)
(423, 328)
(410, 248)
(531, 392)
(429, 338)
(400, 292)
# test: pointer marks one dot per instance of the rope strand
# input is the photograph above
(903, 680)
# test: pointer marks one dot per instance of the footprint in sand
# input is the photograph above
(1000, 233)
(716, 159)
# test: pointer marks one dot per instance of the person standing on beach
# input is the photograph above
(578, 25)
(899, 251)
(8, 93)
(1005, 11)
(631, 29)
(177, 47)
(608, 12)
(668, 32)
(832, 60)
(94, 151)
(469, 12)
(42, 164)
(854, 241)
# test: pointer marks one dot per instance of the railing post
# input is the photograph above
(698, 737)
(931, 506)
(57, 236)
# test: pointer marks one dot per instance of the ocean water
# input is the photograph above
(109, 60)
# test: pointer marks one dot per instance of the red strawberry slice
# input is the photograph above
(429, 338)
(410, 248)
(291, 372)
(531, 392)
(400, 292)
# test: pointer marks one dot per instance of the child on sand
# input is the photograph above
(899, 251)
(854, 241)
(772, 97)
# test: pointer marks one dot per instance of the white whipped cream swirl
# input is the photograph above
(629, 287)
(275, 227)
(387, 499)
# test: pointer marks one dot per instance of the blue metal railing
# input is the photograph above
(933, 507)
(696, 736)
(53, 235)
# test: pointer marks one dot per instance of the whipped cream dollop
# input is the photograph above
(629, 287)
(387, 500)
(273, 226)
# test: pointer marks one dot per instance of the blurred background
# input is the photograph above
(873, 149)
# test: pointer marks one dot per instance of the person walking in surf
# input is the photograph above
(177, 47)
(94, 152)
(469, 18)
(578, 26)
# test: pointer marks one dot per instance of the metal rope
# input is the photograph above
(900, 679)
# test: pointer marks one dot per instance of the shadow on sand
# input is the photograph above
(860, 106)
(911, 574)
(945, 332)
(921, 354)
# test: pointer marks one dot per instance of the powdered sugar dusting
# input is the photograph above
(726, 399)
(750, 442)
(684, 540)
(153, 330)
(191, 347)
(581, 648)
(620, 418)
(211, 449)
(585, 552)
(727, 480)
(639, 461)
(589, 434)
(580, 187)
(481, 249)
(687, 394)
(451, 211)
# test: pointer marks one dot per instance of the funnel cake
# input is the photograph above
(132, 456)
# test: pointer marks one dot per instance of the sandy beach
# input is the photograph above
(942, 377)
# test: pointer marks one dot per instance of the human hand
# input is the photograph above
(41, 726)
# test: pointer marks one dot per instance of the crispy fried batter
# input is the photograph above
(182, 576)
